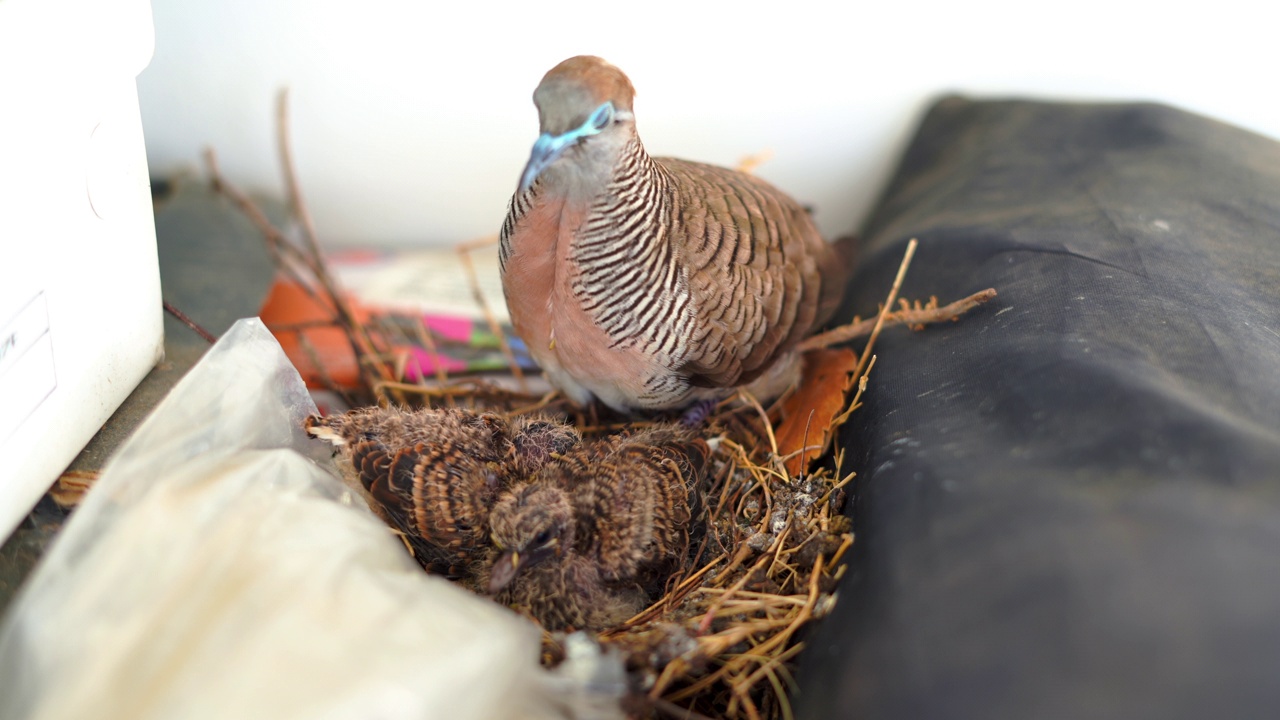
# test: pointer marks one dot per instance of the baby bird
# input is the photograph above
(654, 283)
(573, 542)
(434, 474)
(537, 440)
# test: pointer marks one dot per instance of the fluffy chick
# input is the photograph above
(434, 474)
(571, 544)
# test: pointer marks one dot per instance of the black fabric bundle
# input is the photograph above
(1068, 503)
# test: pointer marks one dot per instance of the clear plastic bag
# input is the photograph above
(220, 569)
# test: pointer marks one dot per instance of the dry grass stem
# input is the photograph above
(749, 163)
(464, 252)
(914, 315)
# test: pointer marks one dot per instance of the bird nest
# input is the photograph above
(721, 639)
(722, 636)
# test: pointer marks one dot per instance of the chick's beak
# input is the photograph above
(504, 571)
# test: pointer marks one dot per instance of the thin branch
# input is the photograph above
(294, 192)
(283, 250)
(362, 344)
(748, 164)
(425, 337)
(185, 320)
(279, 245)
(888, 303)
(464, 252)
(912, 317)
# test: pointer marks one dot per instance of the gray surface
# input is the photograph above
(214, 268)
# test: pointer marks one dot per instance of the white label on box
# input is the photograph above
(27, 374)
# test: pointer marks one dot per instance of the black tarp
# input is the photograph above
(1069, 502)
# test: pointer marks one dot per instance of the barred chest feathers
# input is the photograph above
(617, 315)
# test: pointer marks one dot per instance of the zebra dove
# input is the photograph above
(434, 474)
(572, 544)
(653, 283)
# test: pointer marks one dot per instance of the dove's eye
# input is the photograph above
(542, 538)
(601, 118)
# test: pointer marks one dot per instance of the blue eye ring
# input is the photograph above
(601, 118)
(549, 147)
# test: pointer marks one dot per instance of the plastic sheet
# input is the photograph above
(220, 569)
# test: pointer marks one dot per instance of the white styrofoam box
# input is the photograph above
(80, 309)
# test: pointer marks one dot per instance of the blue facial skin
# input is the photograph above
(549, 147)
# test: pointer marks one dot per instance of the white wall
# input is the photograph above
(413, 119)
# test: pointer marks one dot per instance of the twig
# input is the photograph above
(772, 597)
(462, 387)
(926, 316)
(888, 303)
(294, 192)
(749, 163)
(750, 399)
(673, 596)
(857, 396)
(355, 332)
(826, 497)
(544, 401)
(277, 243)
(770, 671)
(424, 336)
(284, 251)
(839, 553)
(782, 541)
(707, 617)
(464, 252)
(185, 320)
(742, 554)
(325, 378)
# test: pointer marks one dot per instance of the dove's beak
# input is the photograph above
(547, 150)
(504, 571)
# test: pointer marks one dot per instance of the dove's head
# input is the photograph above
(584, 113)
(540, 439)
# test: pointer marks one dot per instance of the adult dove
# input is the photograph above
(653, 283)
